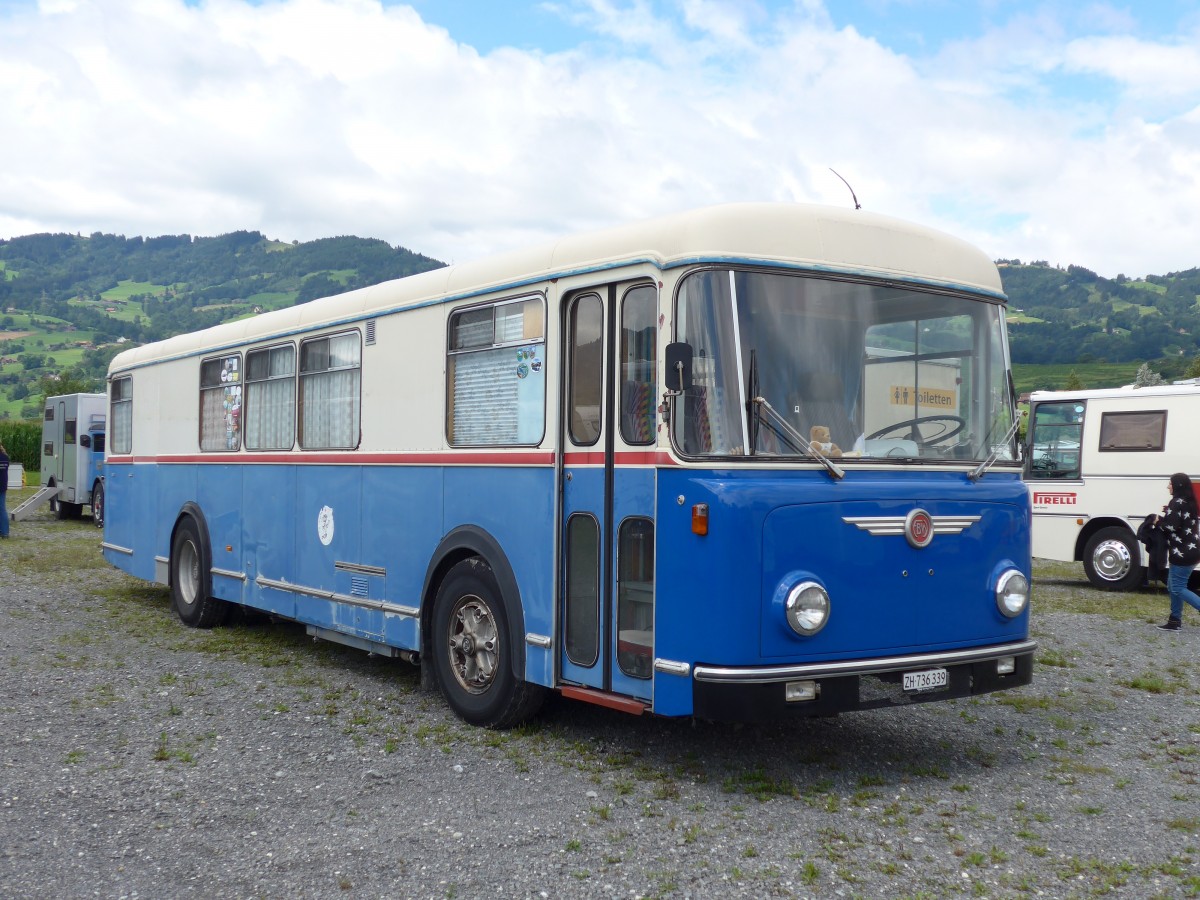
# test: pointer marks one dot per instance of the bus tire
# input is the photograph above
(98, 503)
(191, 579)
(1112, 559)
(472, 646)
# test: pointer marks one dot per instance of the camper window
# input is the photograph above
(1133, 431)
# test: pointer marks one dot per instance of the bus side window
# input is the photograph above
(121, 415)
(635, 593)
(270, 401)
(330, 392)
(221, 403)
(639, 346)
(496, 374)
(585, 373)
(583, 589)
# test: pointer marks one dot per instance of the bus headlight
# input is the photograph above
(1012, 593)
(807, 608)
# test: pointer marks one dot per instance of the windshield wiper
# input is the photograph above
(978, 471)
(752, 391)
(784, 429)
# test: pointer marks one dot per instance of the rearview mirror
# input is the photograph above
(679, 367)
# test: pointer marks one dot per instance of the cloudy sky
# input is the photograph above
(1062, 131)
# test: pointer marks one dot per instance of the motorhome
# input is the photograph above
(1097, 464)
(73, 453)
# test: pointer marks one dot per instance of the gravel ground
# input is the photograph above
(144, 759)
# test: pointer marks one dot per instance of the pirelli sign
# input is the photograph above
(1054, 498)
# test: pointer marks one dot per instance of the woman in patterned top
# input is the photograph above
(1179, 522)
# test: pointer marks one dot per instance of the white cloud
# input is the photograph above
(1139, 67)
(307, 118)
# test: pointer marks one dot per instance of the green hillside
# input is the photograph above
(1074, 316)
(69, 303)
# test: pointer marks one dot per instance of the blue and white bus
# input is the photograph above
(747, 462)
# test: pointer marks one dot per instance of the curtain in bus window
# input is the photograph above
(330, 402)
(329, 399)
(121, 416)
(498, 396)
(472, 328)
(220, 404)
(270, 399)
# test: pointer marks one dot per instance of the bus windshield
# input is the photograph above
(861, 370)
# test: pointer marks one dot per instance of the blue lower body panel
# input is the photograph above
(343, 548)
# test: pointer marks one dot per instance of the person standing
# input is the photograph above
(1179, 522)
(3, 491)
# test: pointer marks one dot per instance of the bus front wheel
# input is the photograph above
(191, 579)
(1112, 560)
(472, 648)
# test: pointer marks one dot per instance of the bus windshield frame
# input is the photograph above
(864, 370)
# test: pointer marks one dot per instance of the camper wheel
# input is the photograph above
(1112, 559)
(63, 510)
(98, 503)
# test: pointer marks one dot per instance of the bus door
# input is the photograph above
(609, 429)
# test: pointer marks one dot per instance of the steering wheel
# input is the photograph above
(952, 426)
(1045, 462)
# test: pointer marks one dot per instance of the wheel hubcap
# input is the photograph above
(1112, 560)
(189, 573)
(473, 645)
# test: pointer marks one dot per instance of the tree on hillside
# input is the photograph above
(1145, 377)
(1074, 382)
(69, 382)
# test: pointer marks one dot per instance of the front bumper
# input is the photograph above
(750, 694)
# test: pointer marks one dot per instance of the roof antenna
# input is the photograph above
(857, 205)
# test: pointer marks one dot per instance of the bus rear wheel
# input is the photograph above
(1112, 560)
(191, 579)
(473, 647)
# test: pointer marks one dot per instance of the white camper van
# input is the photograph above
(1097, 463)
(73, 452)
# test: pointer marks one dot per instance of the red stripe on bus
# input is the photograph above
(446, 458)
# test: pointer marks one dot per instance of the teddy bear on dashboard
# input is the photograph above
(819, 437)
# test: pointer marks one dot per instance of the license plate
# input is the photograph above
(926, 680)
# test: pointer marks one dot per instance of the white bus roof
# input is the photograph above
(1128, 392)
(788, 235)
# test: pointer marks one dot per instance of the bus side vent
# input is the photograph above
(370, 332)
(358, 586)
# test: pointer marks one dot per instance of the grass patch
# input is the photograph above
(758, 784)
(1062, 587)
(75, 551)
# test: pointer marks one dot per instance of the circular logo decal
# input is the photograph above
(918, 528)
(325, 525)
